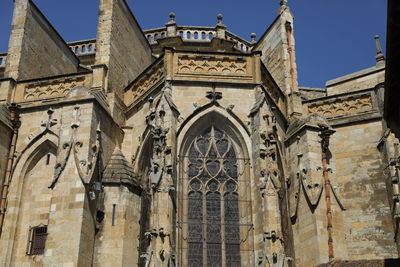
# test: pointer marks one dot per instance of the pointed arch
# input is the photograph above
(214, 196)
(201, 117)
(25, 163)
(40, 138)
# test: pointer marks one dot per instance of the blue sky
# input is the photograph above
(333, 37)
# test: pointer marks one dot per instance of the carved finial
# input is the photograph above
(220, 27)
(283, 6)
(172, 16)
(171, 24)
(219, 18)
(380, 58)
(213, 95)
(253, 37)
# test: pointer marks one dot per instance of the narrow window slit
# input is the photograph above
(113, 215)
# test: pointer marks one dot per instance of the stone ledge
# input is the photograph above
(354, 75)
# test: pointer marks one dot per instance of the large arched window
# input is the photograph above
(214, 195)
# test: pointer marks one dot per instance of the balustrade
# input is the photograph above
(196, 34)
(81, 48)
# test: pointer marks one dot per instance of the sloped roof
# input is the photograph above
(119, 171)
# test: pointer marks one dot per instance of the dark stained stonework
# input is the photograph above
(363, 263)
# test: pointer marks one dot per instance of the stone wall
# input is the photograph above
(120, 44)
(117, 242)
(361, 185)
(68, 131)
(275, 46)
(307, 207)
(35, 48)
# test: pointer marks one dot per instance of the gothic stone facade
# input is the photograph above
(188, 146)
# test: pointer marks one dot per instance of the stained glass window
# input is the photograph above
(213, 201)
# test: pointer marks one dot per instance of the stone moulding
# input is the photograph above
(57, 87)
(347, 105)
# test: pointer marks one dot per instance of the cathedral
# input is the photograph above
(189, 146)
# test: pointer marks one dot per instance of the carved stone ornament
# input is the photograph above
(50, 122)
(54, 88)
(312, 189)
(62, 159)
(167, 94)
(213, 95)
(148, 80)
(269, 183)
(65, 151)
(46, 125)
(212, 65)
(260, 99)
(86, 170)
(342, 106)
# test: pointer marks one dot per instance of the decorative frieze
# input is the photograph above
(213, 65)
(342, 106)
(145, 82)
(51, 88)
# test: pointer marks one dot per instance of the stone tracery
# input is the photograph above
(213, 187)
